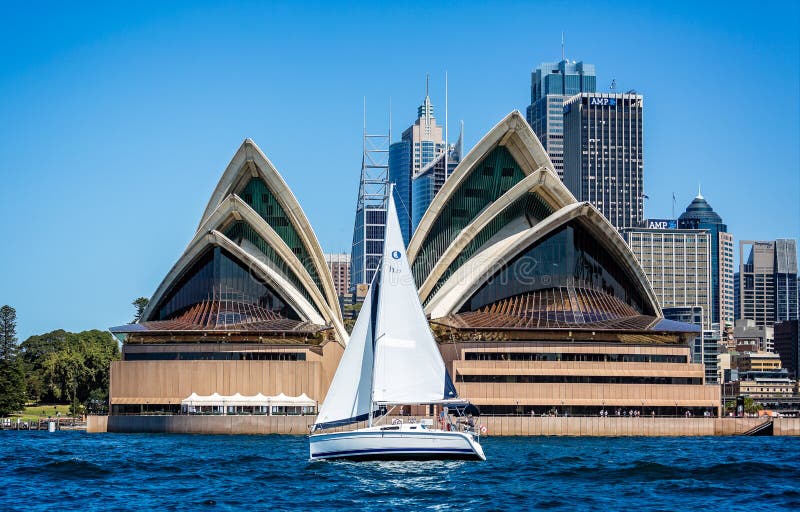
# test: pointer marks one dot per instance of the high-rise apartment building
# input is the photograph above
(339, 265)
(700, 215)
(551, 84)
(420, 144)
(768, 281)
(604, 154)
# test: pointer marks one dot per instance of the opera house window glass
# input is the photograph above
(569, 258)
(218, 277)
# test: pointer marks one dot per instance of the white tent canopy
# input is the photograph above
(238, 400)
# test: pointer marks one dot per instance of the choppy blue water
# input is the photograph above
(75, 470)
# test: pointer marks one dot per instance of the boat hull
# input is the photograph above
(390, 443)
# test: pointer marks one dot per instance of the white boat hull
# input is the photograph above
(395, 442)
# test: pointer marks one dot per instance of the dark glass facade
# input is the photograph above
(400, 175)
(260, 198)
(490, 179)
(239, 231)
(367, 244)
(217, 275)
(578, 357)
(215, 356)
(570, 257)
(577, 379)
(530, 206)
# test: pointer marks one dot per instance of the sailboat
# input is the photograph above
(391, 360)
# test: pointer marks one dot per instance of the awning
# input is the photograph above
(238, 400)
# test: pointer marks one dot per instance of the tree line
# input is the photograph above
(56, 367)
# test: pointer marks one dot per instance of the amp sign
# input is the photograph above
(603, 102)
(662, 224)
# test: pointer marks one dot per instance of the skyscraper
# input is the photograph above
(603, 154)
(370, 222)
(551, 84)
(700, 215)
(678, 264)
(768, 281)
(420, 144)
(427, 183)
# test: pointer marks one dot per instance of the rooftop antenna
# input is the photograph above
(446, 138)
(613, 85)
(673, 205)
(562, 45)
(699, 195)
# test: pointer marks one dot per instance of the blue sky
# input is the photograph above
(118, 119)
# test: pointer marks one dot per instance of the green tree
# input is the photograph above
(12, 371)
(140, 304)
(65, 366)
(8, 332)
(35, 351)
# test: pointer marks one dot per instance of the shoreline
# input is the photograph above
(497, 425)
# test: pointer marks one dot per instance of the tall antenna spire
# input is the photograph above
(699, 195)
(427, 84)
(562, 45)
(446, 138)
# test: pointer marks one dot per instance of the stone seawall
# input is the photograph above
(496, 425)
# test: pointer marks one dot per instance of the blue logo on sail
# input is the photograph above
(396, 255)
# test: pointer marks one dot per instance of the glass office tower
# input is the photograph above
(551, 84)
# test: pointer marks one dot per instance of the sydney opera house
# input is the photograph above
(537, 303)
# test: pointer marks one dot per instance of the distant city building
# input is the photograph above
(678, 264)
(768, 281)
(370, 221)
(339, 265)
(689, 315)
(787, 345)
(700, 215)
(749, 334)
(420, 145)
(767, 387)
(757, 362)
(604, 154)
(551, 84)
(427, 183)
(737, 303)
(541, 306)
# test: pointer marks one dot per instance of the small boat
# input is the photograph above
(392, 360)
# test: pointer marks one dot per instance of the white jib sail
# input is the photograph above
(408, 365)
(348, 399)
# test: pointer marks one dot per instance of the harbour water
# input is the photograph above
(76, 470)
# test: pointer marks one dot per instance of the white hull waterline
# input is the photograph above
(407, 441)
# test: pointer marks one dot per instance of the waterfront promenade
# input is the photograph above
(496, 425)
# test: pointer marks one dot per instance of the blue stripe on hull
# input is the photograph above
(404, 453)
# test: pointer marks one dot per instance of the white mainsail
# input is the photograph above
(408, 365)
(392, 357)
